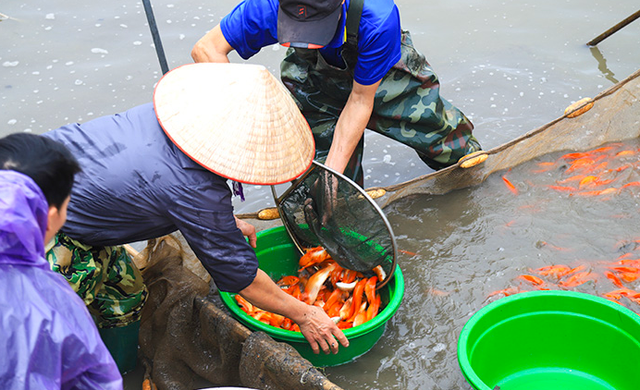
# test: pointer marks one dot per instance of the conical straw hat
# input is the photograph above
(237, 120)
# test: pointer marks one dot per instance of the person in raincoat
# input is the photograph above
(349, 66)
(142, 179)
(49, 340)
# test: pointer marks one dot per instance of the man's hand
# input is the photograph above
(351, 124)
(316, 326)
(320, 331)
(212, 47)
(248, 230)
(322, 198)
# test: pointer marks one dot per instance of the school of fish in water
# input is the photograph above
(348, 297)
(598, 173)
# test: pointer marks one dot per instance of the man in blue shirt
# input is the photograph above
(350, 67)
(142, 180)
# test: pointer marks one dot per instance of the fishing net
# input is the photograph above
(189, 340)
(325, 208)
(614, 116)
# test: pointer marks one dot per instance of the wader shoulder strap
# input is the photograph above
(353, 22)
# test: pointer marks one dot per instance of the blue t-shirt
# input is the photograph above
(253, 24)
(136, 185)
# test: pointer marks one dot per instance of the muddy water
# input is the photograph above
(510, 66)
(462, 248)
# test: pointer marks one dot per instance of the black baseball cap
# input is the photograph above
(308, 24)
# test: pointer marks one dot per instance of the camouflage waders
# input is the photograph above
(104, 277)
(407, 105)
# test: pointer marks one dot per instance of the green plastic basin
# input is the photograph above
(551, 340)
(278, 257)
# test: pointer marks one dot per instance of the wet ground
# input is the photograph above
(510, 66)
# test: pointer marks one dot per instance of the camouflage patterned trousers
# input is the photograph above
(407, 107)
(104, 277)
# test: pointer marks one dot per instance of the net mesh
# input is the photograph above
(324, 208)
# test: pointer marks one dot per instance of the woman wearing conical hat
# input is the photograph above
(167, 166)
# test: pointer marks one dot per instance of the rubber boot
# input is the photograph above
(122, 343)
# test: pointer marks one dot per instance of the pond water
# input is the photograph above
(511, 66)
(465, 249)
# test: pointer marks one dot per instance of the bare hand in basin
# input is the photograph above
(319, 332)
(316, 326)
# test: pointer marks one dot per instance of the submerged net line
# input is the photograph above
(615, 116)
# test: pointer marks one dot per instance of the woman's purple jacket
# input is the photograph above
(47, 337)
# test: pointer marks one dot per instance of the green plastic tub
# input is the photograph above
(551, 340)
(278, 257)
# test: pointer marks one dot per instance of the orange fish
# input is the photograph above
(629, 276)
(510, 186)
(438, 293)
(361, 317)
(626, 292)
(544, 167)
(334, 303)
(576, 269)
(579, 164)
(624, 268)
(597, 168)
(370, 289)
(288, 281)
(611, 276)
(612, 296)
(574, 156)
(316, 281)
(536, 281)
(506, 292)
(571, 179)
(276, 319)
(554, 247)
(313, 256)
(597, 193)
(577, 279)
(635, 263)
(554, 270)
(345, 325)
(245, 305)
(373, 308)
(562, 188)
(346, 309)
(357, 296)
(510, 223)
(625, 153)
(631, 184)
(586, 181)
